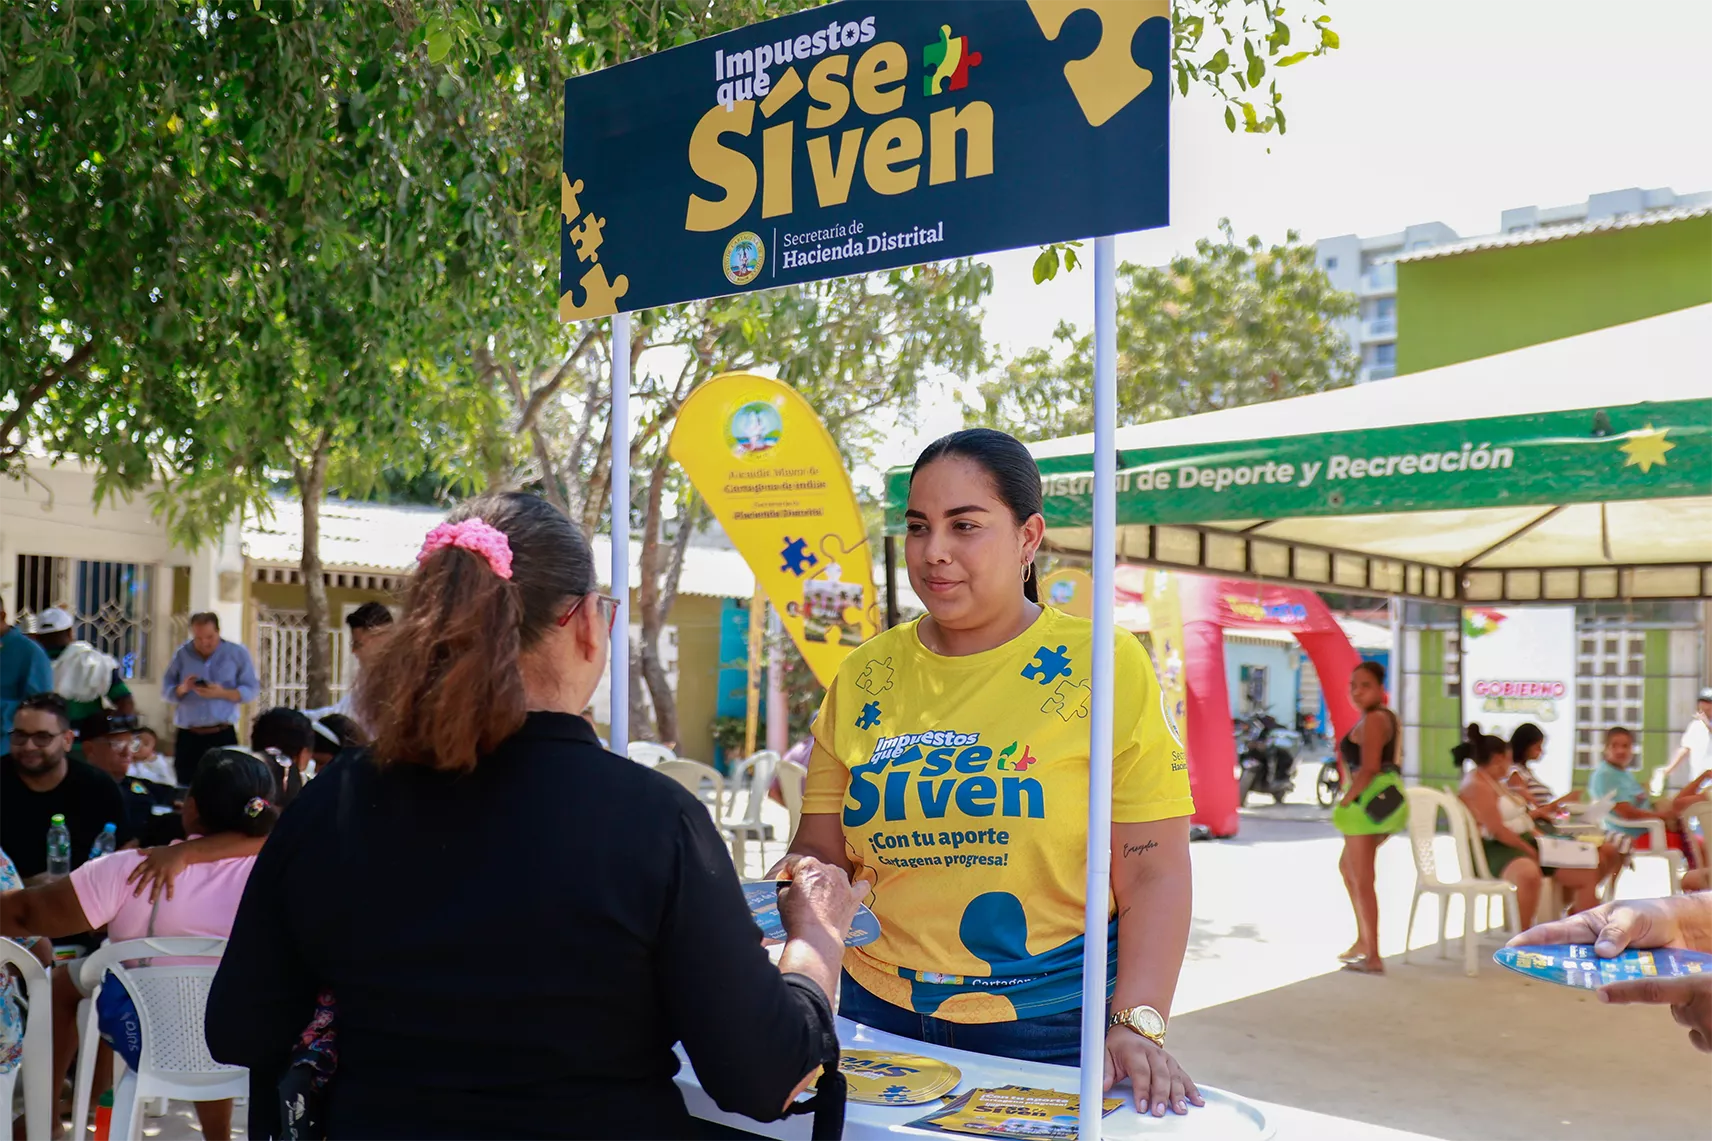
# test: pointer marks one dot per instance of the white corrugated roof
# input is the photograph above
(384, 537)
(1539, 234)
(1655, 358)
(354, 535)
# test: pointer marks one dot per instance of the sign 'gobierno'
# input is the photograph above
(861, 136)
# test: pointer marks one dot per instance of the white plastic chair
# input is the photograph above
(1658, 847)
(36, 1063)
(648, 753)
(792, 778)
(172, 1004)
(1474, 878)
(700, 779)
(756, 774)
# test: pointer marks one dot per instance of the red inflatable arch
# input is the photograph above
(1210, 606)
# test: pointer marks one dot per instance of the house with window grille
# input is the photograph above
(132, 589)
(129, 587)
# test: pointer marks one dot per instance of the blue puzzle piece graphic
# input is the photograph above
(1048, 665)
(797, 556)
(896, 1093)
(870, 716)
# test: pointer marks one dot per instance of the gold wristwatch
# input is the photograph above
(1144, 1020)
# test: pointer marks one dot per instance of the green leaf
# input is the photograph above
(1293, 59)
(1071, 261)
(294, 184)
(1046, 265)
(1251, 121)
(368, 75)
(1256, 69)
(1230, 119)
(1329, 39)
(1220, 61)
(439, 44)
(29, 80)
(1182, 80)
(446, 87)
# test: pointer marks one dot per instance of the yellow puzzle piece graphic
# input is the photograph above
(600, 297)
(1108, 78)
(568, 191)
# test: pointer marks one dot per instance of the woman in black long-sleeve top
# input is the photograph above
(515, 925)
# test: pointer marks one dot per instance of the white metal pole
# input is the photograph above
(1100, 696)
(778, 714)
(1394, 675)
(619, 716)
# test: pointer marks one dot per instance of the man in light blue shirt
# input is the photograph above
(24, 670)
(206, 681)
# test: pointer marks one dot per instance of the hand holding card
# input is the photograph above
(763, 899)
(1578, 965)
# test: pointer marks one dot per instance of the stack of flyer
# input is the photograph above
(1012, 1111)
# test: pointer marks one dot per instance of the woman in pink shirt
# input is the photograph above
(233, 798)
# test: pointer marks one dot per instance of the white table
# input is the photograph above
(1225, 1117)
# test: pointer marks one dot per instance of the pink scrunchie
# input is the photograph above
(475, 535)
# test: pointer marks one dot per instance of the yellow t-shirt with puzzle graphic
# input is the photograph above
(962, 785)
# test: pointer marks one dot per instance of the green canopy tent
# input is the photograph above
(1575, 470)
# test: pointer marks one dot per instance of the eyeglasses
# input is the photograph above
(39, 740)
(608, 609)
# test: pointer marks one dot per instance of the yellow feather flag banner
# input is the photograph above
(768, 468)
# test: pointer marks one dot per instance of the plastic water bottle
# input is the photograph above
(105, 841)
(104, 1116)
(59, 847)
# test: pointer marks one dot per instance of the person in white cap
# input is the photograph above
(1695, 747)
(82, 674)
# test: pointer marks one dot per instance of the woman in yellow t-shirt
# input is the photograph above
(950, 769)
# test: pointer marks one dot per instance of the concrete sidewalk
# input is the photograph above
(1263, 1010)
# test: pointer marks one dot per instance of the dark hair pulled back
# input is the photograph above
(281, 734)
(447, 687)
(1489, 749)
(1007, 462)
(1372, 669)
(1523, 738)
(234, 792)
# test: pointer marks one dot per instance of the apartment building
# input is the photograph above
(1366, 266)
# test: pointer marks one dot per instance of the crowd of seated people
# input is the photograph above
(182, 855)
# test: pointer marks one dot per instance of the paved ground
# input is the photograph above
(1262, 1010)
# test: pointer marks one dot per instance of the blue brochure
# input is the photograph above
(1575, 964)
(763, 897)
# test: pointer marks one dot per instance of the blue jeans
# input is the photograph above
(1053, 1038)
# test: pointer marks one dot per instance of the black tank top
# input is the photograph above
(1351, 750)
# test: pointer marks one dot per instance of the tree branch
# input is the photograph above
(51, 376)
(531, 408)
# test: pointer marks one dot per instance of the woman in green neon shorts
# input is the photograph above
(1371, 811)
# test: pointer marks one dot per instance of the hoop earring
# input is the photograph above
(1027, 570)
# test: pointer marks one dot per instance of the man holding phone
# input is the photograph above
(206, 681)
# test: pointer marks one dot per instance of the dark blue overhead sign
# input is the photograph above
(861, 136)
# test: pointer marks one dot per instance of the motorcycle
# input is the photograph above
(1267, 752)
(1328, 785)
